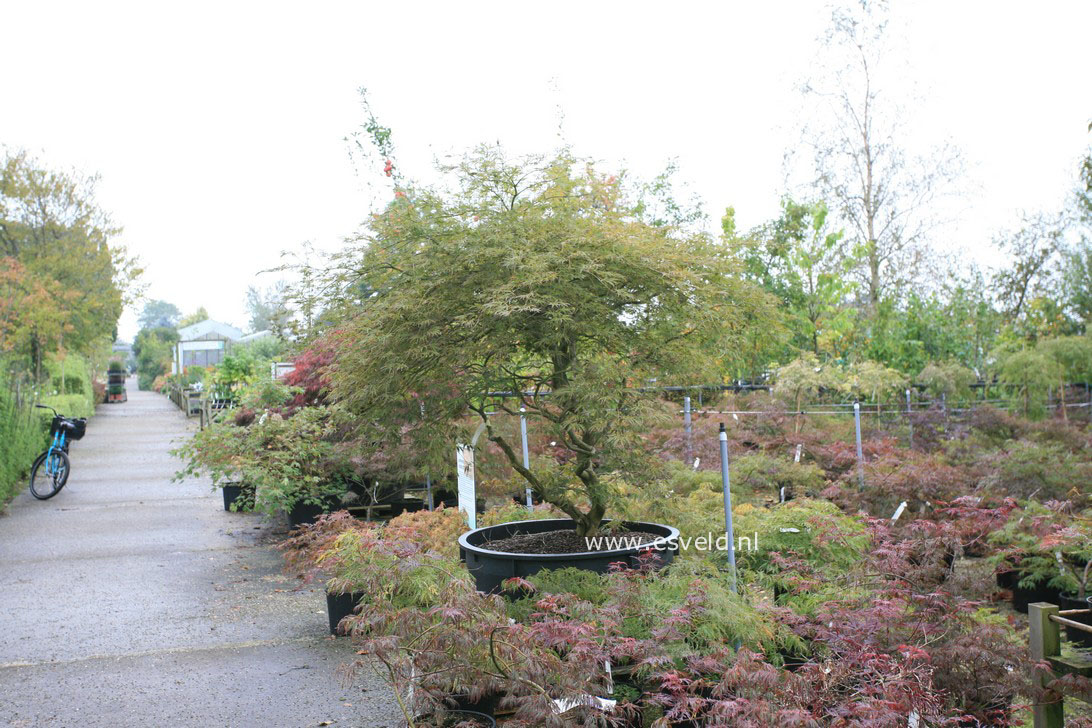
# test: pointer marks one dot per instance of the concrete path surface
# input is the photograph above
(128, 600)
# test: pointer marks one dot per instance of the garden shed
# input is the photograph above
(203, 344)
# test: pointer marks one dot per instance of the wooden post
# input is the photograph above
(1045, 642)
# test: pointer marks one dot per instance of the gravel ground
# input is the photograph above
(128, 600)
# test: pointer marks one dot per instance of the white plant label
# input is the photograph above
(898, 511)
(464, 465)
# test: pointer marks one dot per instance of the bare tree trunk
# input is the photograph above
(1061, 391)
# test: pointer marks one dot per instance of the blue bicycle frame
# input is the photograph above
(59, 440)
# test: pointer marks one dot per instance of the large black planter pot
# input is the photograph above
(457, 717)
(410, 505)
(340, 606)
(238, 494)
(302, 513)
(1021, 597)
(491, 568)
(1077, 636)
(486, 705)
(1007, 579)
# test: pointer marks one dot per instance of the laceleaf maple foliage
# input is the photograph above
(545, 279)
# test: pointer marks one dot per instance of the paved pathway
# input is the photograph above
(128, 600)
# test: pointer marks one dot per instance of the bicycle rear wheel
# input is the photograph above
(49, 474)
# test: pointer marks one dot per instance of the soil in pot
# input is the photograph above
(1077, 636)
(452, 718)
(567, 542)
(490, 566)
(340, 606)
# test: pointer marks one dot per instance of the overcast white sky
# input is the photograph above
(218, 128)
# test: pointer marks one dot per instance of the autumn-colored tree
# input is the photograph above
(53, 229)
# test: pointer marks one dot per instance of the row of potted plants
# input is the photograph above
(826, 574)
(680, 643)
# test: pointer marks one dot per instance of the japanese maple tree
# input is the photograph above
(551, 282)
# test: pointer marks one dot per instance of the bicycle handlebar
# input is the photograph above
(46, 406)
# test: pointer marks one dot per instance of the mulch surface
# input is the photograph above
(567, 542)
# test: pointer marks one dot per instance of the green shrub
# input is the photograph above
(22, 437)
(1044, 471)
(72, 385)
(766, 475)
(69, 405)
(949, 379)
(1029, 374)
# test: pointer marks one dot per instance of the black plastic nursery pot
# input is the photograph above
(237, 494)
(340, 606)
(456, 717)
(1007, 579)
(486, 705)
(305, 512)
(491, 568)
(406, 505)
(1022, 597)
(1077, 636)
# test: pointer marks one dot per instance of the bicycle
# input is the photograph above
(63, 430)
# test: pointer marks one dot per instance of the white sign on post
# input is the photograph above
(464, 464)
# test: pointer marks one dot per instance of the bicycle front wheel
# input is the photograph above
(49, 474)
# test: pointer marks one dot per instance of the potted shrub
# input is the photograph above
(443, 646)
(1071, 547)
(238, 496)
(115, 393)
(321, 548)
(296, 464)
(115, 373)
(222, 451)
(567, 294)
(803, 546)
(1022, 562)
